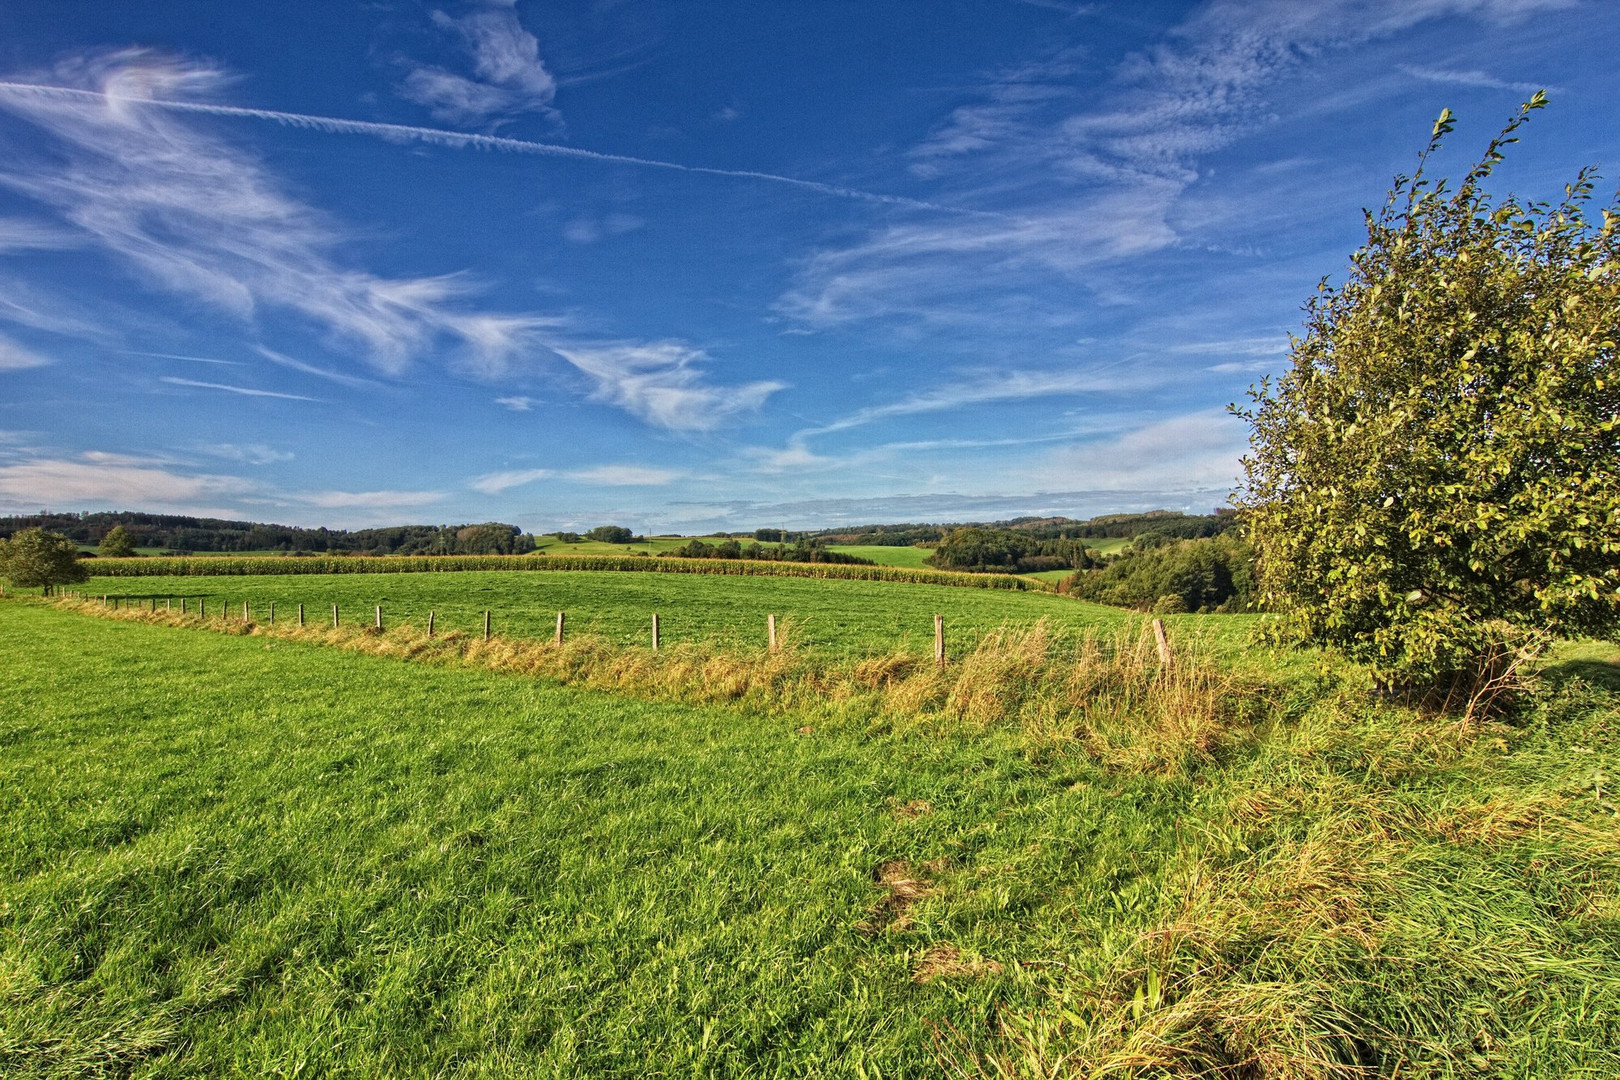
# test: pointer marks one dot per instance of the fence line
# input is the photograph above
(772, 638)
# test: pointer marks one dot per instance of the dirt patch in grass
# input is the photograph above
(945, 961)
(902, 887)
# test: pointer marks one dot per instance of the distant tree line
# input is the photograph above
(800, 550)
(1166, 523)
(184, 534)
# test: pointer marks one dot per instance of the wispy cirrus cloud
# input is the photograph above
(190, 214)
(248, 453)
(625, 476)
(517, 403)
(600, 475)
(245, 391)
(13, 357)
(508, 77)
(984, 389)
(1097, 178)
(26, 234)
(1474, 78)
(496, 482)
(663, 383)
(367, 500)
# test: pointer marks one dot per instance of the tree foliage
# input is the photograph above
(1169, 576)
(34, 558)
(611, 534)
(1006, 551)
(117, 544)
(1436, 476)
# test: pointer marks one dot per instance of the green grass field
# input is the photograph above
(236, 854)
(910, 557)
(845, 617)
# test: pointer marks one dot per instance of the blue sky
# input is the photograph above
(698, 265)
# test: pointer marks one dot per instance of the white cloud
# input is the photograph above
(189, 213)
(309, 369)
(13, 357)
(625, 476)
(111, 480)
(987, 388)
(509, 76)
(248, 453)
(497, 482)
(1099, 176)
(1195, 452)
(518, 403)
(588, 230)
(367, 500)
(1471, 78)
(662, 383)
(25, 234)
(246, 391)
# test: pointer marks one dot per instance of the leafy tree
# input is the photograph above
(117, 544)
(1215, 574)
(611, 534)
(34, 557)
(1435, 484)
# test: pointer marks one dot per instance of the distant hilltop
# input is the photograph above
(182, 534)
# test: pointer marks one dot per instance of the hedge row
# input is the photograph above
(217, 566)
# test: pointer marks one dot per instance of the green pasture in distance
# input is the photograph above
(1053, 576)
(653, 545)
(843, 617)
(910, 557)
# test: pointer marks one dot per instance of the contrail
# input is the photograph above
(334, 125)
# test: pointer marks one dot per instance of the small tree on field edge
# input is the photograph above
(1433, 488)
(35, 558)
(117, 544)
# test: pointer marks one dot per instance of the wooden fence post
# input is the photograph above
(245, 616)
(655, 631)
(559, 628)
(486, 626)
(182, 605)
(300, 615)
(379, 616)
(770, 630)
(1163, 642)
(334, 616)
(202, 608)
(939, 640)
(272, 613)
(430, 624)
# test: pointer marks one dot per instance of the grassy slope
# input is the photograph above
(841, 616)
(224, 855)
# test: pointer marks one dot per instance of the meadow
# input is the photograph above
(244, 852)
(837, 616)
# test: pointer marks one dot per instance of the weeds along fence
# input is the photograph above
(230, 566)
(1115, 692)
